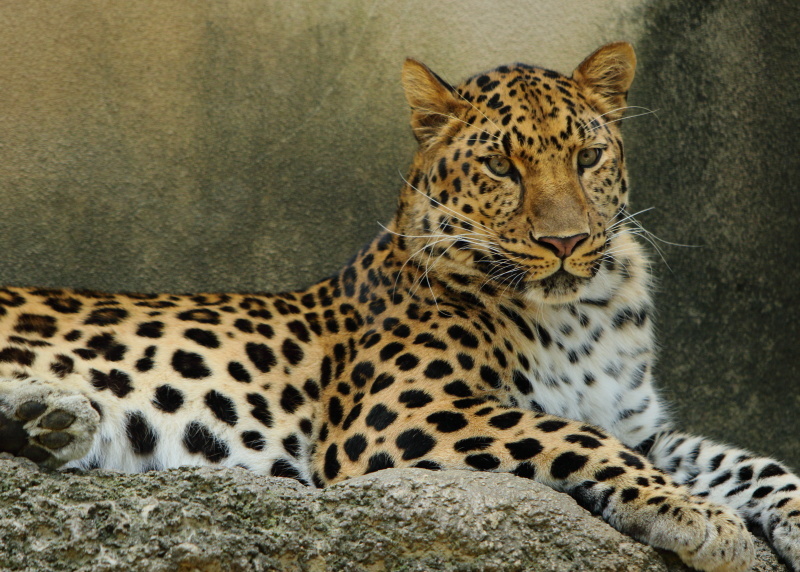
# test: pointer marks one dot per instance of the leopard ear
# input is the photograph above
(433, 101)
(607, 75)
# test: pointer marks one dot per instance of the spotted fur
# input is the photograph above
(502, 322)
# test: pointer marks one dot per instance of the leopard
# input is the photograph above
(502, 322)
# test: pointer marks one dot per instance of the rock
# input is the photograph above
(208, 519)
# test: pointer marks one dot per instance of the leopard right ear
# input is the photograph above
(433, 101)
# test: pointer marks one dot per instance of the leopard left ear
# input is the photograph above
(607, 75)
(433, 101)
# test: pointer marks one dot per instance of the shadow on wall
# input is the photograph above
(720, 166)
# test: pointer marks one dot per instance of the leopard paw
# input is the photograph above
(725, 543)
(706, 536)
(45, 424)
(784, 532)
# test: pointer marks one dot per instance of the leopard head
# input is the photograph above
(519, 176)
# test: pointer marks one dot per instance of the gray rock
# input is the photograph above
(212, 519)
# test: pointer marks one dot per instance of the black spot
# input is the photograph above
(168, 399)
(291, 351)
(190, 365)
(584, 441)
(427, 464)
(73, 336)
(383, 381)
(312, 389)
(351, 417)
(335, 410)
(447, 421)
(466, 338)
(380, 417)
(300, 330)
(332, 465)
(414, 443)
(203, 316)
(608, 473)
(413, 398)
(490, 376)
(283, 468)
(197, 438)
(291, 399)
(746, 473)
(144, 364)
(117, 381)
(362, 373)
(566, 464)
(473, 444)
(771, 470)
(506, 420)
(244, 325)
(629, 494)
(291, 445)
(390, 350)
(150, 330)
(261, 356)
(354, 446)
(62, 366)
(458, 388)
(631, 460)
(238, 372)
(469, 402)
(761, 492)
(253, 440)
(522, 383)
(406, 362)
(260, 410)
(106, 317)
(524, 448)
(222, 407)
(64, 305)
(17, 355)
(525, 470)
(203, 337)
(482, 461)
(551, 425)
(265, 330)
(402, 331)
(718, 480)
(378, 462)
(437, 369)
(142, 436)
(45, 326)
(465, 361)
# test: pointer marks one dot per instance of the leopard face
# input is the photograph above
(520, 177)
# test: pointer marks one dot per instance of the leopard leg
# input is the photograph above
(602, 474)
(48, 424)
(761, 490)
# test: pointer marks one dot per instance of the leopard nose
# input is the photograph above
(563, 246)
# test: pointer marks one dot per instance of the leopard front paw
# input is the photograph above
(783, 530)
(725, 544)
(706, 536)
(44, 424)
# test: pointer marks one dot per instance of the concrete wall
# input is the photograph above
(255, 144)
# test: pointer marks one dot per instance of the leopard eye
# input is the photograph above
(589, 157)
(500, 166)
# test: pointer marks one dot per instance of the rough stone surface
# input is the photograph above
(211, 520)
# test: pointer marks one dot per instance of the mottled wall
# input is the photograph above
(255, 144)
(721, 165)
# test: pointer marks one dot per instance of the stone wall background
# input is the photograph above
(254, 145)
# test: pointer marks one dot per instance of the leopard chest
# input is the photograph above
(592, 362)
